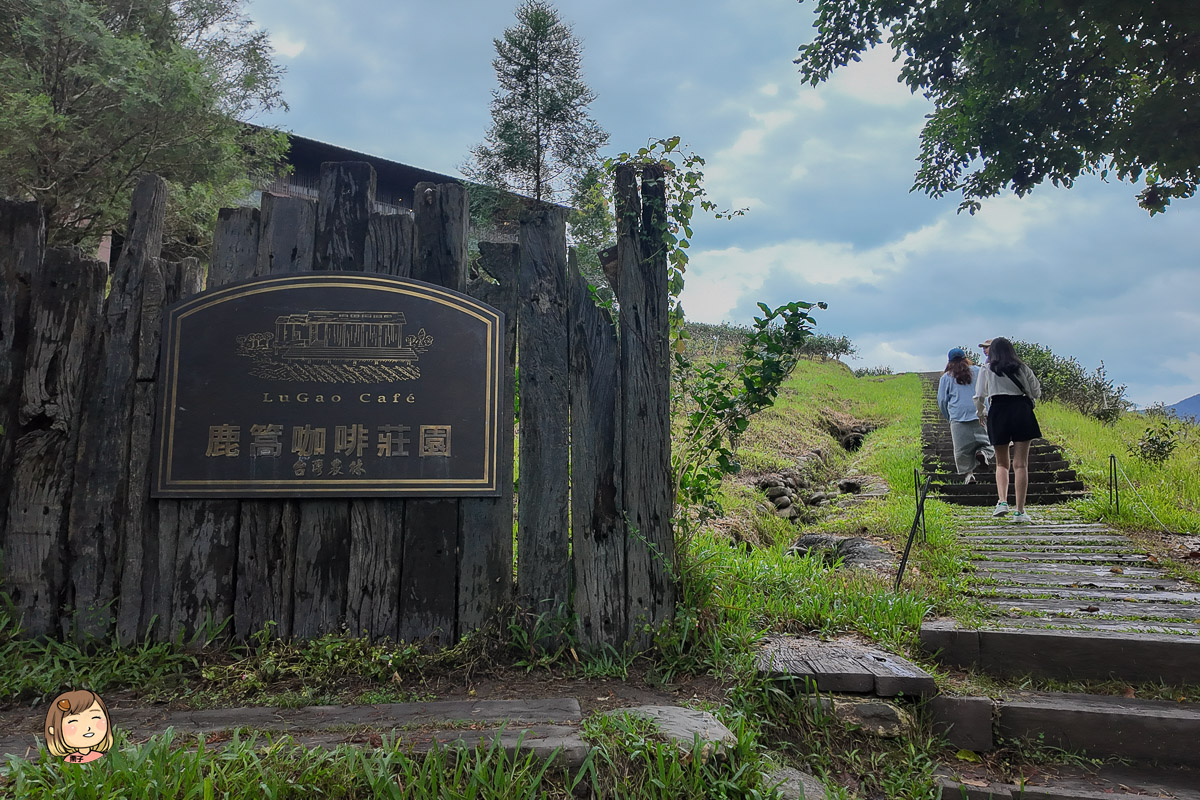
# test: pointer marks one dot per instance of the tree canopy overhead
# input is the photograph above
(1028, 91)
(95, 93)
(542, 140)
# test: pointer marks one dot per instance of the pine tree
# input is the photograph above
(542, 139)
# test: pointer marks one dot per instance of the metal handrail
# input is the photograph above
(1114, 488)
(922, 491)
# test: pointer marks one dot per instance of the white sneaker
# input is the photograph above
(1001, 509)
(1022, 517)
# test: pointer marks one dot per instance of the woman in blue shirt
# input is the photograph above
(956, 402)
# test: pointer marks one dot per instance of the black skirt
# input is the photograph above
(1011, 419)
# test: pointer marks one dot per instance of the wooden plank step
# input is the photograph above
(1041, 538)
(1049, 528)
(1158, 731)
(1156, 582)
(1076, 558)
(841, 666)
(1018, 650)
(1083, 593)
(1107, 609)
(1126, 548)
(972, 782)
(1176, 629)
(1064, 568)
(140, 723)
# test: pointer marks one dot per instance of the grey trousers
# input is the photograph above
(970, 438)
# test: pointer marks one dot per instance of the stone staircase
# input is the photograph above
(1051, 479)
(1066, 600)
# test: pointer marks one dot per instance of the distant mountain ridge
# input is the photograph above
(1189, 407)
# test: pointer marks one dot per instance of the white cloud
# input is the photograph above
(1187, 366)
(286, 46)
(872, 80)
(888, 354)
(770, 89)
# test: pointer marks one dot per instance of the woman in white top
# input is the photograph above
(1004, 395)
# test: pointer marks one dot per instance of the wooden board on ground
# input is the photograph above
(1074, 607)
(842, 666)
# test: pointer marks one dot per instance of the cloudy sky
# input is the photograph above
(825, 173)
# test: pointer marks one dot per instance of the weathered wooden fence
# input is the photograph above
(88, 553)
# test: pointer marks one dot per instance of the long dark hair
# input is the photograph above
(1002, 358)
(960, 370)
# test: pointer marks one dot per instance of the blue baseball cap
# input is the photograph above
(956, 352)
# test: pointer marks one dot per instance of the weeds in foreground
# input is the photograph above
(852, 763)
(260, 766)
(633, 761)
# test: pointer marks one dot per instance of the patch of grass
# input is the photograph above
(633, 761)
(851, 762)
(1170, 491)
(37, 669)
(259, 766)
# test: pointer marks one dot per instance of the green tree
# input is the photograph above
(96, 93)
(592, 226)
(542, 139)
(1027, 91)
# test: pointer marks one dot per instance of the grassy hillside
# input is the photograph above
(742, 574)
(1168, 493)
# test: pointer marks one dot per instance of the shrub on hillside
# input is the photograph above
(826, 346)
(724, 342)
(873, 372)
(1066, 380)
(1159, 440)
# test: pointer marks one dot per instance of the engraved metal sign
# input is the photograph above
(329, 384)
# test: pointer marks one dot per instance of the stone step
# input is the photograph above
(1149, 731)
(1101, 655)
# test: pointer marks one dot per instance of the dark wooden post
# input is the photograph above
(543, 547)
(485, 569)
(266, 552)
(429, 577)
(323, 542)
(377, 525)
(204, 536)
(287, 238)
(65, 303)
(645, 399)
(98, 521)
(159, 565)
(235, 246)
(22, 240)
(390, 243)
(141, 517)
(342, 217)
(597, 522)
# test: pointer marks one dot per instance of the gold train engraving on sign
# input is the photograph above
(336, 347)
